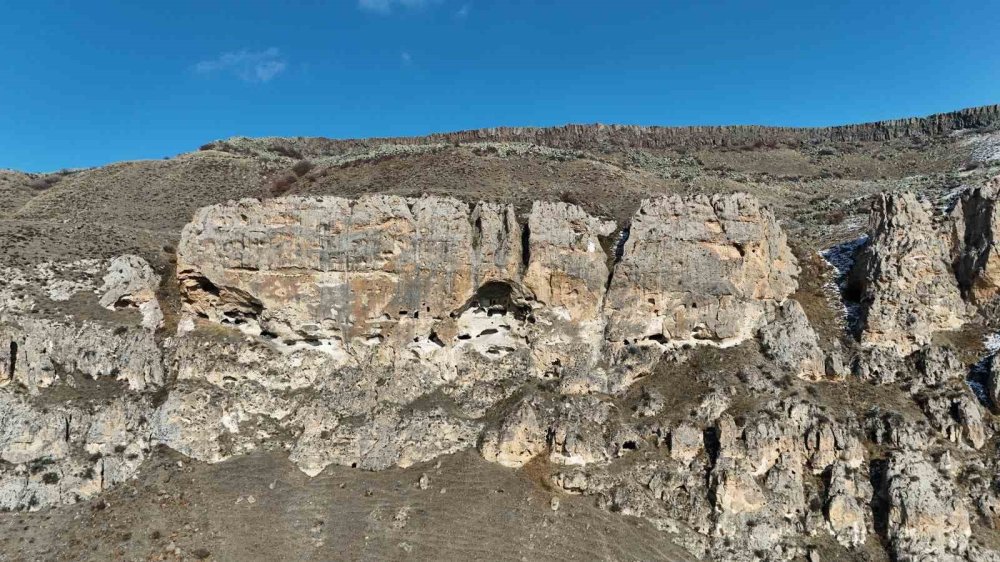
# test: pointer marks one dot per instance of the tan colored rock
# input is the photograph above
(736, 491)
(791, 342)
(927, 519)
(700, 270)
(567, 274)
(567, 268)
(847, 493)
(519, 438)
(686, 442)
(328, 268)
(978, 225)
(904, 276)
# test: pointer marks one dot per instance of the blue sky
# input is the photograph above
(86, 83)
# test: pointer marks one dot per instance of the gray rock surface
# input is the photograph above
(673, 377)
(904, 276)
(790, 341)
(702, 270)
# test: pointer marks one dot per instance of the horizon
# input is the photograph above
(121, 83)
(455, 131)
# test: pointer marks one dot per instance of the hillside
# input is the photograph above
(623, 342)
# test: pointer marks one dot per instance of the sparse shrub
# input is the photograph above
(44, 182)
(835, 216)
(570, 197)
(302, 167)
(286, 151)
(282, 184)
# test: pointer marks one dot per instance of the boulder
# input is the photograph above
(926, 518)
(131, 283)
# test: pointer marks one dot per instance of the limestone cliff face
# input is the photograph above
(699, 270)
(416, 275)
(343, 272)
(904, 276)
(977, 265)
(385, 332)
(406, 299)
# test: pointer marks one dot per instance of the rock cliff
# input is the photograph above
(666, 367)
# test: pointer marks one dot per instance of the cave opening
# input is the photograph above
(498, 297)
(12, 364)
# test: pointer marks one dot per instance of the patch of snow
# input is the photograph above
(985, 147)
(992, 342)
(979, 389)
(948, 201)
(842, 257)
(620, 243)
(981, 369)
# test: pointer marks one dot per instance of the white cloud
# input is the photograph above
(407, 58)
(249, 66)
(463, 12)
(387, 6)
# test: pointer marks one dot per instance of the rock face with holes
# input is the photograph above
(420, 276)
(385, 332)
(408, 299)
(700, 270)
(904, 276)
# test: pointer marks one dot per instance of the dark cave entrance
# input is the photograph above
(498, 297)
(13, 360)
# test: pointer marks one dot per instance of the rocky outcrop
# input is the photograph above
(701, 270)
(977, 265)
(630, 136)
(40, 352)
(904, 276)
(386, 332)
(926, 518)
(427, 276)
(132, 283)
(790, 341)
(455, 302)
(56, 455)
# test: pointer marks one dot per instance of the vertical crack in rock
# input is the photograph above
(12, 360)
(525, 245)
(618, 251)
